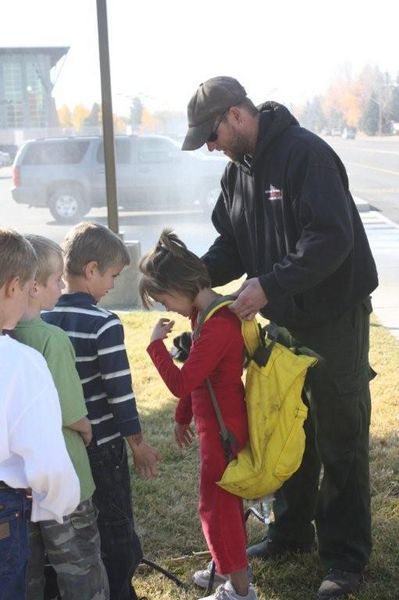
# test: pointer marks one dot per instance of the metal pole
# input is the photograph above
(108, 125)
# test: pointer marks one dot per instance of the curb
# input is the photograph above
(362, 205)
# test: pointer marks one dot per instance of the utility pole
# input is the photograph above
(108, 124)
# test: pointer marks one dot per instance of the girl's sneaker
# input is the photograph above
(227, 592)
(201, 578)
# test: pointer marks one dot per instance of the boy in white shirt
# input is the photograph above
(33, 456)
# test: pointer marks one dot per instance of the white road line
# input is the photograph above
(378, 151)
(372, 168)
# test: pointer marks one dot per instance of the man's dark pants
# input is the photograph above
(120, 546)
(338, 439)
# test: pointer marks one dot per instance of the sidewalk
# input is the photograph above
(383, 236)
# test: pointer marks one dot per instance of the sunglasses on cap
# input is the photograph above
(213, 136)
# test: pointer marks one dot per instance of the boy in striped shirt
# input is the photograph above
(94, 257)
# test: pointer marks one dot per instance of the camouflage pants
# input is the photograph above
(73, 549)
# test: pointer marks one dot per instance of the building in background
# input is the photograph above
(27, 108)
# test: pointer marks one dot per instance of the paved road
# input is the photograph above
(192, 226)
(373, 168)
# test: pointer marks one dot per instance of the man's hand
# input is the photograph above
(251, 299)
(162, 329)
(145, 457)
(184, 435)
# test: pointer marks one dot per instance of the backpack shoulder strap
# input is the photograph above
(251, 333)
(228, 441)
(210, 310)
(250, 329)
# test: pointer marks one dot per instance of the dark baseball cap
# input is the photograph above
(211, 100)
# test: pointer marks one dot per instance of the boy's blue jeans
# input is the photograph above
(120, 545)
(15, 511)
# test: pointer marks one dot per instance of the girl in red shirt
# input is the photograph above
(177, 278)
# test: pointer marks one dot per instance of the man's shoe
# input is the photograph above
(227, 592)
(338, 584)
(268, 548)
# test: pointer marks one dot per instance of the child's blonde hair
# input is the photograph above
(49, 256)
(88, 242)
(171, 267)
(17, 257)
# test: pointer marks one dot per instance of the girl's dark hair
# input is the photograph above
(171, 267)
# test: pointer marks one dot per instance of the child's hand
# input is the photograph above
(83, 427)
(184, 435)
(87, 436)
(145, 457)
(162, 329)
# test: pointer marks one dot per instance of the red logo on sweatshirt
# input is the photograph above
(273, 193)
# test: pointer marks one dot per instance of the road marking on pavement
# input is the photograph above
(372, 168)
(378, 190)
(378, 151)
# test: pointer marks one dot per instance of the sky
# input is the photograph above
(161, 50)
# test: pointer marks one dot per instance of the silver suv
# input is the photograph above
(67, 175)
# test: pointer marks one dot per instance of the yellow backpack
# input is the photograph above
(276, 413)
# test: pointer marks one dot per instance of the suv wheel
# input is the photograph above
(66, 205)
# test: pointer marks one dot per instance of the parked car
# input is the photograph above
(67, 175)
(11, 150)
(336, 131)
(349, 133)
(325, 131)
(5, 159)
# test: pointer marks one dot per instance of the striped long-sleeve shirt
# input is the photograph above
(101, 360)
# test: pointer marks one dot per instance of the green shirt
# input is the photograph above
(54, 344)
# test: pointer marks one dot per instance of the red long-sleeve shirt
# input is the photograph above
(218, 354)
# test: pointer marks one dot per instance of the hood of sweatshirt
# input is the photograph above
(275, 118)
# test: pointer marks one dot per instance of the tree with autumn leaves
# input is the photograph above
(80, 119)
(72, 119)
(368, 102)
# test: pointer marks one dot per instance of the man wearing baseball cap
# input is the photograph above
(210, 101)
(286, 219)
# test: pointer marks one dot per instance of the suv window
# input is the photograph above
(123, 152)
(155, 150)
(68, 152)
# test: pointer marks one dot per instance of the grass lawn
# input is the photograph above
(166, 508)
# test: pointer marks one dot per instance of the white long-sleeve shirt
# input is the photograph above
(32, 448)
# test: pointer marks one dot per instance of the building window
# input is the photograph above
(13, 100)
(36, 93)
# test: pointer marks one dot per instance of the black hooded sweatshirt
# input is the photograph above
(287, 217)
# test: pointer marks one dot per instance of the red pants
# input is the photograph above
(221, 513)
